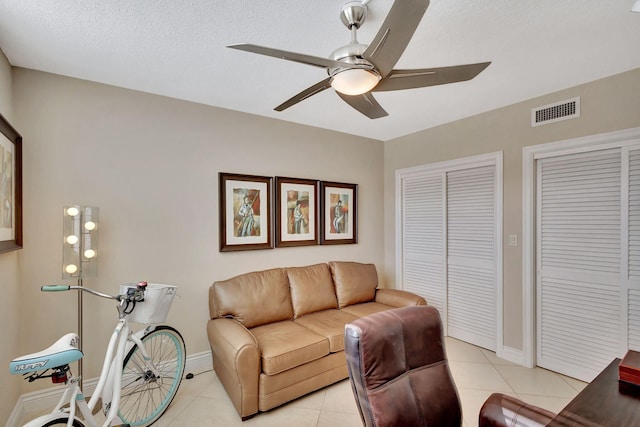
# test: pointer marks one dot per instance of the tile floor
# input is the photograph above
(202, 401)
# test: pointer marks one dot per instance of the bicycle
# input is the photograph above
(141, 372)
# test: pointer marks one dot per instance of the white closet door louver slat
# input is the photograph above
(579, 211)
(471, 255)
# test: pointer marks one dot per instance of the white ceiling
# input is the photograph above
(177, 48)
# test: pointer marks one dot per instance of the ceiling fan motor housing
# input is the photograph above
(351, 54)
(353, 15)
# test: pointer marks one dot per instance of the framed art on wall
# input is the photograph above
(339, 213)
(10, 187)
(296, 212)
(245, 212)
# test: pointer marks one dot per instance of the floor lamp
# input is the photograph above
(80, 251)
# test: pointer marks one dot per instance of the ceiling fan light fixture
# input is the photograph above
(355, 81)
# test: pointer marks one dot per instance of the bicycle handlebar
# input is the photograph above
(54, 288)
(61, 288)
(127, 302)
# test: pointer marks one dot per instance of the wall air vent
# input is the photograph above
(556, 112)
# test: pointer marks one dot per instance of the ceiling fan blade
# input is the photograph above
(411, 79)
(365, 103)
(316, 88)
(290, 56)
(394, 34)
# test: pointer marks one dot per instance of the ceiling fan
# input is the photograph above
(356, 70)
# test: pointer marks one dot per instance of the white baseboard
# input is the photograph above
(17, 414)
(511, 354)
(41, 400)
(199, 362)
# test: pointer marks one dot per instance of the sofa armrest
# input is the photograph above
(500, 410)
(236, 360)
(398, 298)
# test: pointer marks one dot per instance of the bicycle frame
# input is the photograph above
(109, 383)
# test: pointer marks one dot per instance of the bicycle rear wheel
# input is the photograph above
(146, 396)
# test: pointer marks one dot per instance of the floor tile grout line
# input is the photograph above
(506, 381)
(566, 380)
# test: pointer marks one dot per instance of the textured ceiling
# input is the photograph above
(177, 49)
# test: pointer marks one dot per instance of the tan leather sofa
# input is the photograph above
(278, 334)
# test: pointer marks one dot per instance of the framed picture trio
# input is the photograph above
(305, 212)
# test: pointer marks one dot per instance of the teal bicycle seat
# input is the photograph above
(62, 352)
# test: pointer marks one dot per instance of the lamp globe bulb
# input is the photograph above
(89, 225)
(89, 253)
(72, 211)
(72, 239)
(71, 268)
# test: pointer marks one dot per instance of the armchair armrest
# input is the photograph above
(236, 360)
(398, 298)
(500, 410)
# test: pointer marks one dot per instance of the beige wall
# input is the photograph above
(606, 105)
(9, 385)
(151, 165)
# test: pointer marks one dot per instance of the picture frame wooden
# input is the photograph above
(245, 212)
(339, 213)
(297, 211)
(10, 187)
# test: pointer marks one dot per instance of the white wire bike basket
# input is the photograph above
(155, 307)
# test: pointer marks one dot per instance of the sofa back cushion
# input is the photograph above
(255, 298)
(311, 289)
(354, 282)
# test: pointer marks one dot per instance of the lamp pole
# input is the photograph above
(80, 298)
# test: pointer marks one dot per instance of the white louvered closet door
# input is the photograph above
(423, 238)
(632, 244)
(579, 310)
(471, 255)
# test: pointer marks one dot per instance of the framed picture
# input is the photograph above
(245, 212)
(296, 212)
(10, 187)
(339, 213)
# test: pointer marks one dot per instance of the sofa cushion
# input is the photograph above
(329, 324)
(255, 298)
(309, 372)
(311, 289)
(285, 345)
(354, 282)
(365, 309)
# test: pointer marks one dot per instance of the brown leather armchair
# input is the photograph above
(400, 375)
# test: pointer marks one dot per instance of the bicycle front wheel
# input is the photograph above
(62, 421)
(149, 386)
